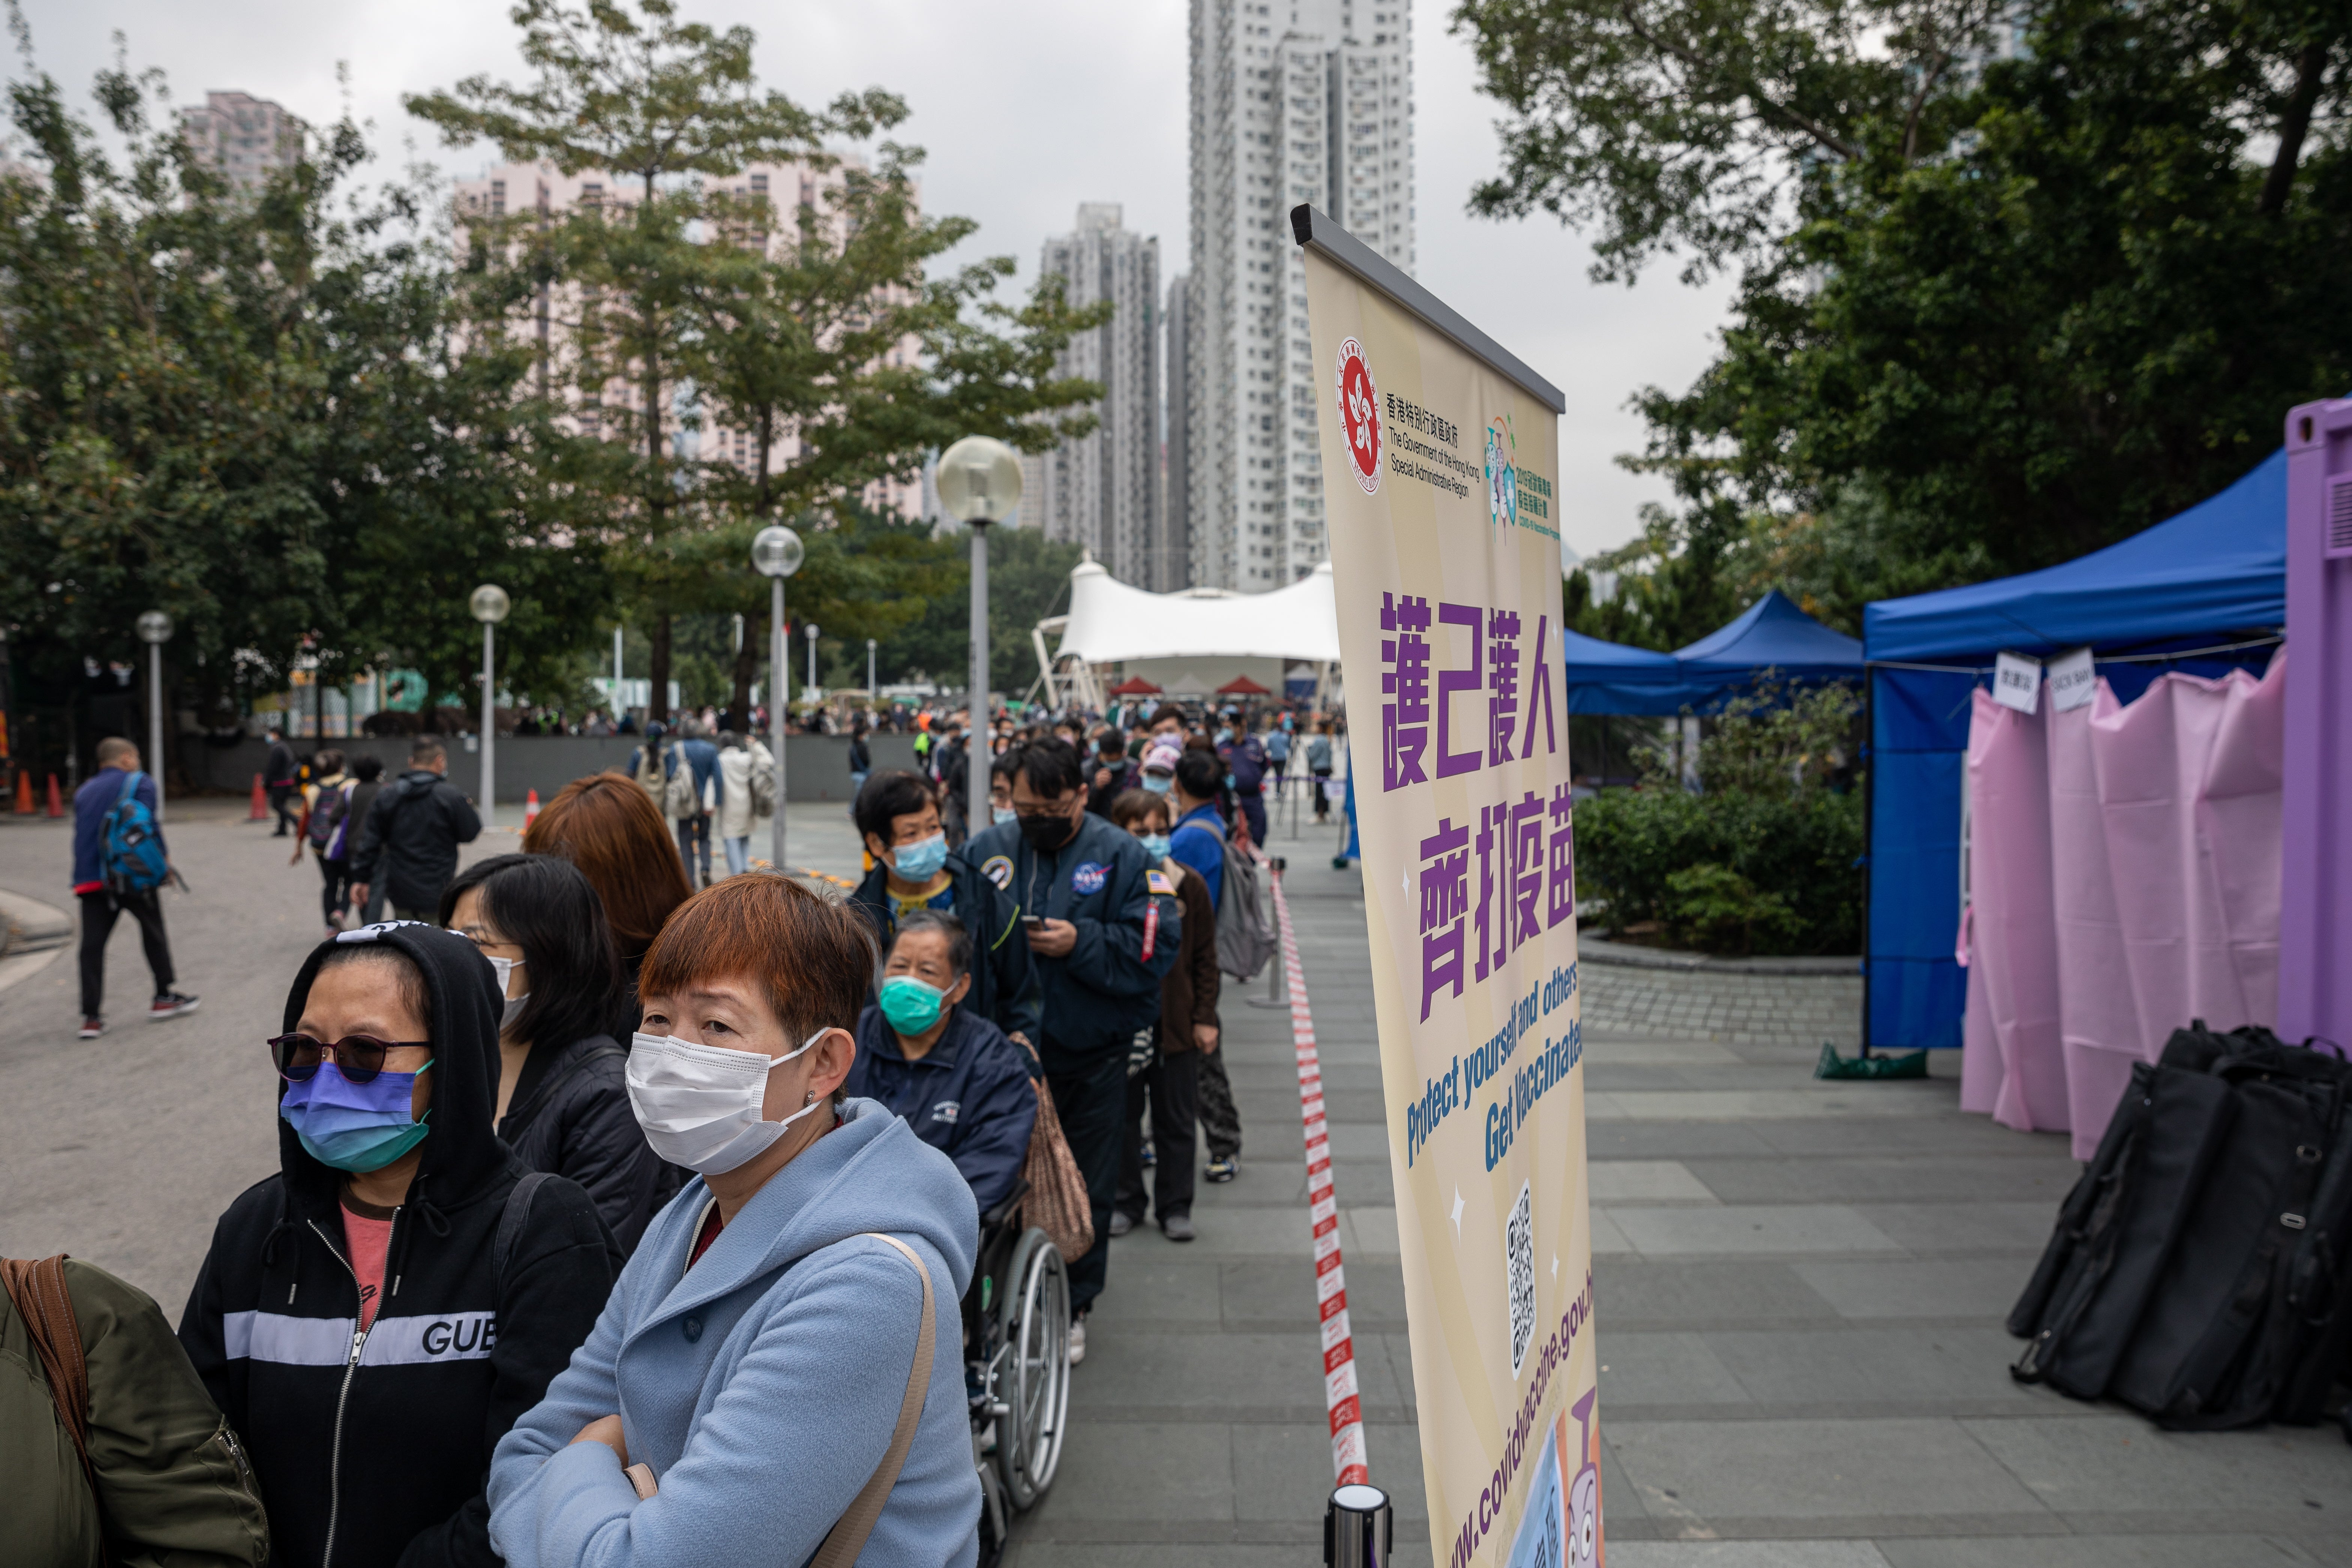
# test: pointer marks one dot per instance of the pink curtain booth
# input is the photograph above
(2123, 878)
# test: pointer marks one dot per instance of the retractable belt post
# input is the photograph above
(1277, 990)
(1358, 1527)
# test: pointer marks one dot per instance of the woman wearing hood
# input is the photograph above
(777, 1374)
(374, 1317)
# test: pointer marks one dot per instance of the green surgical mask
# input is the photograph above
(910, 1004)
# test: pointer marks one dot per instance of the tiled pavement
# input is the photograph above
(1800, 1285)
(1799, 1293)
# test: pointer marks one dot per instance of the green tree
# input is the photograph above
(1028, 580)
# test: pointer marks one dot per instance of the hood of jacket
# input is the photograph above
(463, 1150)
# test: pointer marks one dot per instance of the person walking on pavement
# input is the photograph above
(367, 782)
(1103, 941)
(861, 761)
(692, 794)
(280, 773)
(1244, 760)
(898, 818)
(409, 843)
(106, 892)
(743, 765)
(326, 829)
(1319, 764)
(1186, 1034)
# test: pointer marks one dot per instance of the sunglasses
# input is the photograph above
(358, 1057)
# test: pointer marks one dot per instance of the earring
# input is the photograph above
(810, 1098)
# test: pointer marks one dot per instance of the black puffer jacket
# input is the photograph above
(410, 839)
(570, 1115)
(372, 1449)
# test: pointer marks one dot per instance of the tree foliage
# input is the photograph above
(1993, 312)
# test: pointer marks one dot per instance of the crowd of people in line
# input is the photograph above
(521, 1291)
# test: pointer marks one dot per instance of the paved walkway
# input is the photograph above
(1800, 1285)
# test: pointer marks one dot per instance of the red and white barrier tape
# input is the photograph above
(1343, 1407)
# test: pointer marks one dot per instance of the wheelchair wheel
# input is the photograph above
(1035, 1317)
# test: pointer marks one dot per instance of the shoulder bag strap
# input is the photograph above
(38, 1290)
(511, 1221)
(848, 1538)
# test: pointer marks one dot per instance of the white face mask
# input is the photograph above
(513, 1011)
(504, 968)
(702, 1107)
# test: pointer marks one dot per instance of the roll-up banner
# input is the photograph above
(1441, 457)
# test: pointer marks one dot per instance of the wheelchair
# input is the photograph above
(1016, 1334)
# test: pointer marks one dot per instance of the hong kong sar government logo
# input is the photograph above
(1502, 472)
(1359, 415)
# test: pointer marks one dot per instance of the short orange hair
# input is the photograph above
(815, 958)
(608, 825)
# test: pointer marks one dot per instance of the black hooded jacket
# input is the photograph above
(409, 840)
(570, 1115)
(373, 1449)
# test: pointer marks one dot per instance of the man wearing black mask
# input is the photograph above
(1102, 935)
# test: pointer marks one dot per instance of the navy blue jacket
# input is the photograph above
(1002, 988)
(971, 1098)
(92, 801)
(1107, 988)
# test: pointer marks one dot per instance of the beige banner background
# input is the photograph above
(1485, 1092)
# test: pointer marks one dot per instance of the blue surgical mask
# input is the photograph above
(1155, 844)
(921, 861)
(1005, 813)
(1158, 783)
(912, 1006)
(357, 1127)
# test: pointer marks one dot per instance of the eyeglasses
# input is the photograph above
(358, 1057)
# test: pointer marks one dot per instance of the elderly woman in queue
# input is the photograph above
(788, 1310)
(564, 1101)
(951, 1072)
(373, 1318)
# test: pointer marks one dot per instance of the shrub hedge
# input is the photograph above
(1795, 853)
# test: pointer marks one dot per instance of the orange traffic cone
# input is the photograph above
(24, 793)
(529, 810)
(57, 806)
(260, 812)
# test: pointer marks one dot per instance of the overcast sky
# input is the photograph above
(1028, 108)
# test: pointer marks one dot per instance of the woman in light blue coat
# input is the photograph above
(744, 1385)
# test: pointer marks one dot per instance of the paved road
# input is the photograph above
(1800, 1285)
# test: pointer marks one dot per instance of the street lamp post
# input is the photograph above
(776, 554)
(155, 630)
(489, 605)
(809, 631)
(871, 696)
(979, 482)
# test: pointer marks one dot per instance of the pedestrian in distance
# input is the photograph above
(861, 759)
(155, 1475)
(947, 1071)
(563, 1098)
(1186, 1033)
(279, 773)
(1110, 775)
(326, 832)
(120, 867)
(747, 782)
(1245, 766)
(374, 1316)
(608, 827)
(1102, 941)
(1318, 765)
(898, 818)
(692, 794)
(409, 842)
(367, 782)
(790, 1312)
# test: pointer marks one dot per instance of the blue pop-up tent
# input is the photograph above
(1773, 634)
(2203, 591)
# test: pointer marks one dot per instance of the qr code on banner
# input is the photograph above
(1519, 1245)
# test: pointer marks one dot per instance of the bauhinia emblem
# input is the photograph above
(1360, 414)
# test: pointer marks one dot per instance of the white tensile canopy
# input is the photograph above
(1112, 622)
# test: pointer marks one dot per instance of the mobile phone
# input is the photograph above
(1034, 923)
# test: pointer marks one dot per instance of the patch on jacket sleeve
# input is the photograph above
(1159, 882)
(998, 869)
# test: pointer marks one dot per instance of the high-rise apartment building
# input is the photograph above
(1102, 489)
(241, 136)
(514, 189)
(1176, 460)
(1293, 100)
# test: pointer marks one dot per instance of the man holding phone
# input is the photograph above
(1102, 939)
